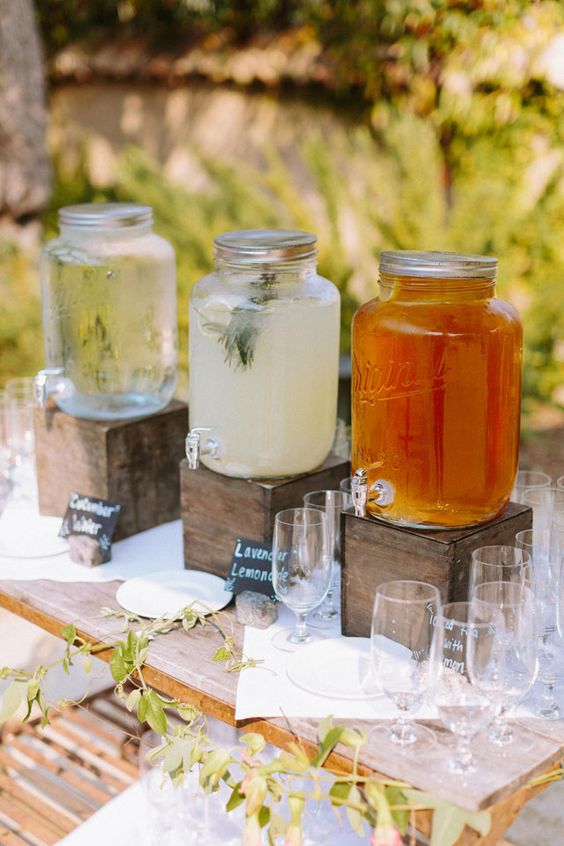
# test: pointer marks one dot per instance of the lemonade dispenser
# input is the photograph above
(264, 356)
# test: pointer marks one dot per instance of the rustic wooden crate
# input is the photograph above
(216, 510)
(375, 552)
(131, 462)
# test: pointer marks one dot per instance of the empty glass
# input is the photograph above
(20, 440)
(560, 483)
(528, 479)
(517, 649)
(301, 567)
(500, 563)
(464, 649)
(332, 503)
(543, 501)
(400, 643)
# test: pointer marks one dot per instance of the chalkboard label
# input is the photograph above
(251, 568)
(93, 518)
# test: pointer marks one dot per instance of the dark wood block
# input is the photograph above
(375, 552)
(216, 510)
(131, 462)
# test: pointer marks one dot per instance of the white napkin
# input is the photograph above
(268, 691)
(147, 552)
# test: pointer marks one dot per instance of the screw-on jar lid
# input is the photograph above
(105, 215)
(437, 264)
(264, 246)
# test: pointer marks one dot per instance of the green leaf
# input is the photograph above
(264, 816)
(339, 793)
(324, 728)
(87, 665)
(222, 653)
(448, 819)
(354, 816)
(68, 632)
(255, 743)
(395, 796)
(236, 798)
(154, 714)
(327, 745)
(118, 666)
(12, 699)
(133, 699)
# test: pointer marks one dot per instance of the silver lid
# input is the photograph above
(106, 215)
(264, 246)
(436, 264)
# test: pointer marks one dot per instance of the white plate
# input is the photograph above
(338, 668)
(32, 541)
(164, 594)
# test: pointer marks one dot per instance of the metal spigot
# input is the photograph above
(40, 383)
(194, 448)
(381, 492)
(359, 492)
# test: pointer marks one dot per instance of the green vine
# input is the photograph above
(383, 808)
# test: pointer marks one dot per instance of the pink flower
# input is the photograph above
(387, 836)
(248, 760)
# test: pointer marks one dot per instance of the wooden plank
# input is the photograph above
(23, 815)
(69, 802)
(191, 675)
(68, 772)
(10, 838)
(89, 763)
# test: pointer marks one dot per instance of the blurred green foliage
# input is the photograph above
(459, 147)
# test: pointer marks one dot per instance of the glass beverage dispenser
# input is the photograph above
(264, 351)
(109, 313)
(436, 374)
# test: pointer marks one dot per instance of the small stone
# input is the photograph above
(85, 550)
(255, 609)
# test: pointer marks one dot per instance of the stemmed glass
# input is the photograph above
(400, 641)
(537, 542)
(301, 568)
(518, 648)
(332, 503)
(465, 650)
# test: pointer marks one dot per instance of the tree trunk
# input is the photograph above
(25, 176)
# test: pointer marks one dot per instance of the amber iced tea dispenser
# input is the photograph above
(436, 374)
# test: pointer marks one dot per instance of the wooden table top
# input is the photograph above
(180, 664)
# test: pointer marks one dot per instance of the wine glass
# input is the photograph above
(301, 567)
(528, 479)
(560, 483)
(500, 563)
(332, 503)
(515, 603)
(464, 648)
(400, 643)
(537, 542)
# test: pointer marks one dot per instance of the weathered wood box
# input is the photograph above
(375, 552)
(216, 510)
(130, 462)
